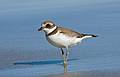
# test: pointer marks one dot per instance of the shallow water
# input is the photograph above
(20, 41)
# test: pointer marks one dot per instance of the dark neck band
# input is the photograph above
(53, 32)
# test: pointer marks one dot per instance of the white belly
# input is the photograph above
(62, 41)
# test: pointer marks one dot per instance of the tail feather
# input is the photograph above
(85, 36)
(90, 35)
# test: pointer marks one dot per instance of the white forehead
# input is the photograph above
(45, 23)
(49, 23)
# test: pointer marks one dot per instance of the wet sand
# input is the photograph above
(102, 73)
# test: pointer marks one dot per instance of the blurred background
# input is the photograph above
(20, 40)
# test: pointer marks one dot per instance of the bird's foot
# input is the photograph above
(65, 66)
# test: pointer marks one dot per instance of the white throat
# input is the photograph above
(50, 30)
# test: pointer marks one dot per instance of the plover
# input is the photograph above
(62, 37)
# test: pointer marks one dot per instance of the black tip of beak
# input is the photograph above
(40, 29)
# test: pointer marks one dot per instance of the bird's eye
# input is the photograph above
(48, 26)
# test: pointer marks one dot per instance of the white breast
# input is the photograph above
(61, 40)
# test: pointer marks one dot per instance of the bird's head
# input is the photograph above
(47, 26)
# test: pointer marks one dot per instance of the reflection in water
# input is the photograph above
(42, 62)
(46, 62)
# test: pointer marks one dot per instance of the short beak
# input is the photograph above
(40, 29)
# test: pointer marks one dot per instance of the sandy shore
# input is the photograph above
(105, 73)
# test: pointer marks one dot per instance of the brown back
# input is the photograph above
(70, 32)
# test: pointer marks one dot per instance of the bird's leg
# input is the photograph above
(63, 55)
(65, 63)
(65, 60)
(67, 52)
(62, 52)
